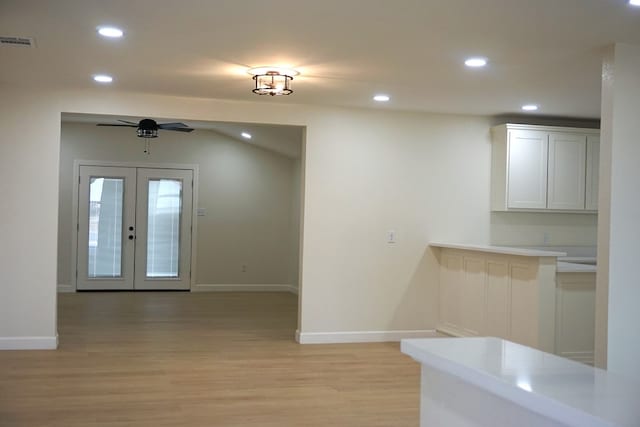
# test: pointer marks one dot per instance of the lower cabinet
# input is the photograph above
(517, 298)
(575, 316)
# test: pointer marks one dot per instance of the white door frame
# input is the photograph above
(75, 205)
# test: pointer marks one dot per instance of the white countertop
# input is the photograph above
(569, 267)
(500, 249)
(566, 391)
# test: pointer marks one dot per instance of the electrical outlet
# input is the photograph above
(546, 238)
(244, 268)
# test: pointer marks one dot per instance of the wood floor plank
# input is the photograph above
(201, 359)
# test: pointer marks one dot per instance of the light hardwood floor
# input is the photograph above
(201, 359)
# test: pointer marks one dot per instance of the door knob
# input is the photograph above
(130, 228)
(130, 236)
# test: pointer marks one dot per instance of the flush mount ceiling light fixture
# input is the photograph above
(272, 80)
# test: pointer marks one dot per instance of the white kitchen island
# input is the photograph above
(523, 295)
(490, 382)
(498, 291)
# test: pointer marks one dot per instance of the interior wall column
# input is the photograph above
(618, 285)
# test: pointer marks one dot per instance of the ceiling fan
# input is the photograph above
(148, 128)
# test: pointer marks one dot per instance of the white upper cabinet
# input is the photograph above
(527, 170)
(567, 157)
(543, 168)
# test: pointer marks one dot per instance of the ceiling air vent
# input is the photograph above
(18, 41)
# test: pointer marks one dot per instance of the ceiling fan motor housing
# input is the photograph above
(148, 128)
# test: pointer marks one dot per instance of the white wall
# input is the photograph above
(543, 229)
(28, 220)
(425, 176)
(294, 233)
(247, 194)
(618, 242)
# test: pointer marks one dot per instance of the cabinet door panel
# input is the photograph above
(451, 276)
(593, 166)
(524, 305)
(527, 174)
(567, 156)
(498, 302)
(472, 296)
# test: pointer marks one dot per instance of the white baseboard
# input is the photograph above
(361, 336)
(28, 343)
(202, 287)
(65, 288)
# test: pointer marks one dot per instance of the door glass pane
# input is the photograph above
(163, 227)
(105, 227)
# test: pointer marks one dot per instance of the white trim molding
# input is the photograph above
(361, 336)
(203, 287)
(65, 288)
(29, 343)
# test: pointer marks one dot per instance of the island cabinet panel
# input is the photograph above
(451, 277)
(472, 296)
(498, 296)
(524, 305)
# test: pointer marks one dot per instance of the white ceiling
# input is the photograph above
(543, 51)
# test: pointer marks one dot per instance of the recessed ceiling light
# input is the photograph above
(103, 78)
(634, 2)
(529, 107)
(111, 32)
(381, 98)
(246, 135)
(475, 62)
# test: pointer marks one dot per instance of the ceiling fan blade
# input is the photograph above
(109, 124)
(128, 122)
(171, 125)
(179, 129)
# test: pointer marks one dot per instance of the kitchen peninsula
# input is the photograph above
(510, 293)
(482, 382)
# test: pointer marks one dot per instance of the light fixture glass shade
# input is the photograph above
(272, 83)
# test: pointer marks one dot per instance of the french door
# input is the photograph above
(134, 228)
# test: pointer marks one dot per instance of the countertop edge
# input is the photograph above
(505, 250)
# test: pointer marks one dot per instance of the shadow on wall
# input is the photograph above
(421, 294)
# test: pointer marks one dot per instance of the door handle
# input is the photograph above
(131, 237)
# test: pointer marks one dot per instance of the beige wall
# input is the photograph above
(247, 194)
(425, 176)
(543, 229)
(294, 233)
(28, 219)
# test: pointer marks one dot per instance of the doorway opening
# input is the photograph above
(127, 220)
